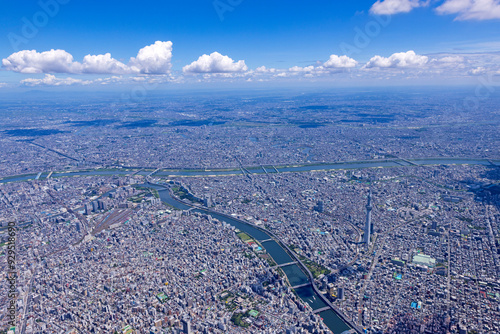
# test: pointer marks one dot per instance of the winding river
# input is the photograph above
(294, 273)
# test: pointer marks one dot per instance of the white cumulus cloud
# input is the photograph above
(398, 60)
(153, 59)
(30, 61)
(335, 64)
(301, 69)
(103, 64)
(215, 63)
(107, 81)
(263, 69)
(451, 59)
(52, 80)
(390, 7)
(340, 62)
(471, 9)
(477, 71)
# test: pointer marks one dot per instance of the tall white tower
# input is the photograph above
(368, 223)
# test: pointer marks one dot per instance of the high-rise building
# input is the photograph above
(368, 223)
(186, 326)
(103, 204)
(88, 208)
(340, 293)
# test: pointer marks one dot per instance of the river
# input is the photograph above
(293, 272)
(257, 169)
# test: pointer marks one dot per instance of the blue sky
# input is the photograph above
(260, 33)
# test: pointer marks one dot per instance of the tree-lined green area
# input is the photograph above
(137, 198)
(228, 294)
(316, 269)
(182, 193)
(238, 319)
(269, 259)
